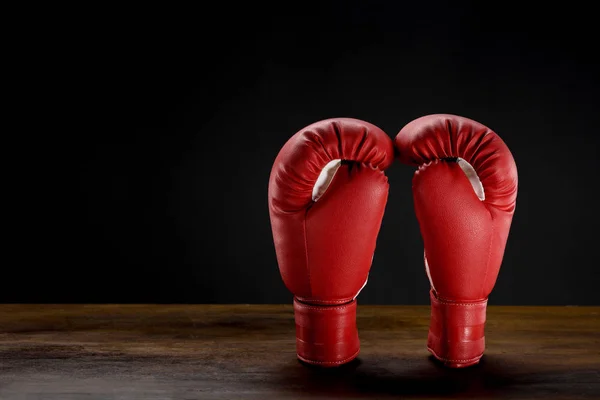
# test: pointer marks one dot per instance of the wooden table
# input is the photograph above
(248, 352)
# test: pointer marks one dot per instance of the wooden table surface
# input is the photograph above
(248, 352)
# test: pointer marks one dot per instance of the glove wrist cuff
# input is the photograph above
(326, 335)
(456, 331)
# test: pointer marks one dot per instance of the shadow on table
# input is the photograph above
(490, 378)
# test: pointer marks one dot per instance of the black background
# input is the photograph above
(161, 126)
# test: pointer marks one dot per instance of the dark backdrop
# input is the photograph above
(165, 124)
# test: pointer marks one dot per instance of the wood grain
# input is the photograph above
(248, 352)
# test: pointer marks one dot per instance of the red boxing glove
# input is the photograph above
(464, 194)
(325, 226)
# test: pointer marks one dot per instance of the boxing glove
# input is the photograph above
(327, 195)
(464, 194)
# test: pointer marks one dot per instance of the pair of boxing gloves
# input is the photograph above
(327, 196)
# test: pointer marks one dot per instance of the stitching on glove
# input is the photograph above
(455, 361)
(482, 302)
(323, 308)
(329, 362)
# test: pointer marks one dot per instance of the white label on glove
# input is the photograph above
(325, 178)
(473, 178)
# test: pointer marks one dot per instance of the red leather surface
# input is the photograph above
(324, 249)
(326, 335)
(456, 331)
(464, 237)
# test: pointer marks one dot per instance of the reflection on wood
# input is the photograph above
(248, 352)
